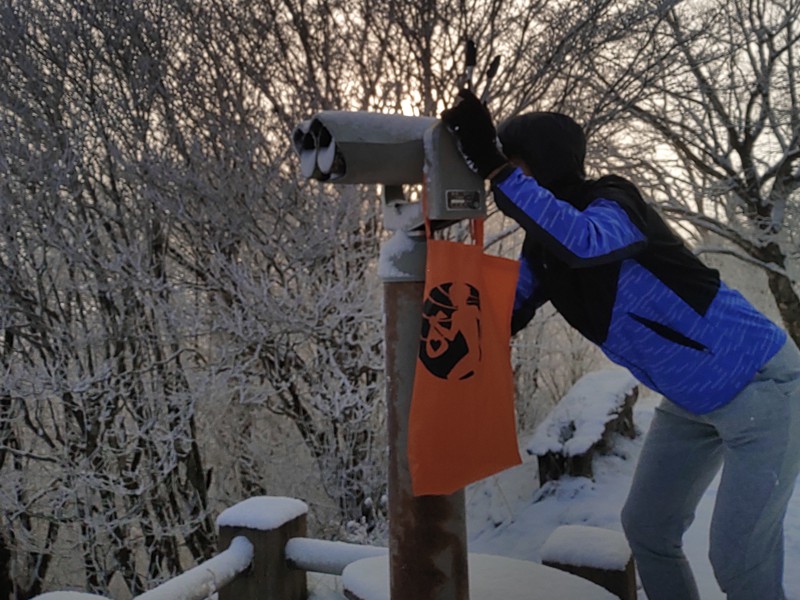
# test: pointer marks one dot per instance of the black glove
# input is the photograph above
(471, 124)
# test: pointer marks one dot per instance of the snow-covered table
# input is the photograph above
(490, 578)
(582, 423)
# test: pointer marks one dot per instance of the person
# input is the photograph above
(729, 377)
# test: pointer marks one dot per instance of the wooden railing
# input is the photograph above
(264, 555)
(209, 577)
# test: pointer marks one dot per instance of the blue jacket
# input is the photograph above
(616, 272)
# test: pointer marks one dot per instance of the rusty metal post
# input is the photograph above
(427, 535)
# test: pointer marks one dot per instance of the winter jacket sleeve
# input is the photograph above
(603, 232)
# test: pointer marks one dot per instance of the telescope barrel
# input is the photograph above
(362, 147)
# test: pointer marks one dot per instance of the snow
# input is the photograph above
(371, 127)
(68, 596)
(588, 405)
(392, 250)
(509, 515)
(585, 546)
(328, 557)
(206, 578)
(428, 146)
(262, 513)
(325, 587)
(490, 577)
(195, 584)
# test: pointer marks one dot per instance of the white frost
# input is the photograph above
(585, 546)
(262, 512)
(589, 405)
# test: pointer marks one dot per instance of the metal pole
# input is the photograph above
(427, 534)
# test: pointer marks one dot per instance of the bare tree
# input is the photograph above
(161, 264)
(156, 248)
(714, 87)
(99, 450)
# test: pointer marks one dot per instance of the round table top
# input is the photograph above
(490, 577)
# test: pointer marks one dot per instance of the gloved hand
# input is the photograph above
(471, 124)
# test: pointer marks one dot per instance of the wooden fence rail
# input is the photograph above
(263, 556)
(208, 577)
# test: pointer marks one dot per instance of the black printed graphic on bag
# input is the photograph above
(450, 347)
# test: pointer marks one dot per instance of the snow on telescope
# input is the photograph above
(362, 147)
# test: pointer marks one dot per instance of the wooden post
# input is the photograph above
(268, 523)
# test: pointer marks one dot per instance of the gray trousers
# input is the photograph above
(756, 440)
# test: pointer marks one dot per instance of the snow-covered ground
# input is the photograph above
(509, 516)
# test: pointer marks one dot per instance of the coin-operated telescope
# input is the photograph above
(392, 150)
(427, 535)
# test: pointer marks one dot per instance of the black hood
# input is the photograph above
(552, 146)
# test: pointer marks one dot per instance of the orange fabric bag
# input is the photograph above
(462, 426)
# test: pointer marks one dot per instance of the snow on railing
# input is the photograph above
(198, 583)
(252, 562)
(322, 556)
(208, 577)
(265, 554)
